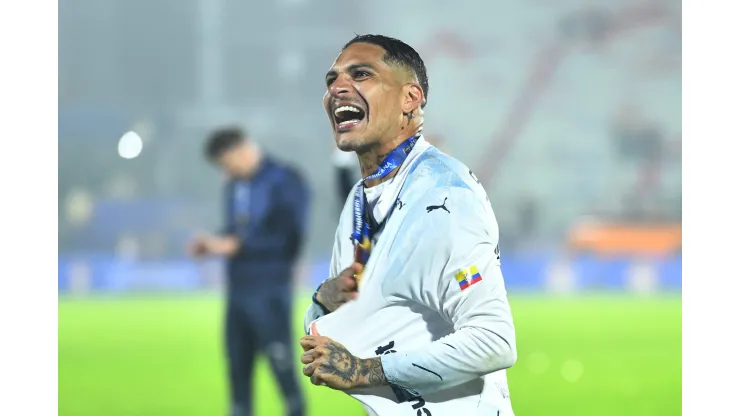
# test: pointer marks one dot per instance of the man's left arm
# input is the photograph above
(483, 342)
(470, 294)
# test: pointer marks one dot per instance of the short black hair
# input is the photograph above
(223, 140)
(399, 53)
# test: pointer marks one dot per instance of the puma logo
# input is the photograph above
(431, 208)
(399, 204)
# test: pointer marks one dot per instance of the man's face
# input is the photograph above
(363, 97)
(240, 161)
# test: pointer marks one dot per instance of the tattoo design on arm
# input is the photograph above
(353, 372)
(332, 295)
(372, 372)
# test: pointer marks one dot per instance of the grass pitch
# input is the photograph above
(163, 356)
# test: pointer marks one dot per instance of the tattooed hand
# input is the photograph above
(329, 364)
(336, 291)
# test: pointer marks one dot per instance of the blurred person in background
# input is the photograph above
(266, 214)
(415, 319)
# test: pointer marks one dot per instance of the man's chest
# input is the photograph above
(387, 315)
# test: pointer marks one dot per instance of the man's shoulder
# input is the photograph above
(283, 171)
(438, 181)
(441, 207)
(437, 170)
(442, 198)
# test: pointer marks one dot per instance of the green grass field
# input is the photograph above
(590, 356)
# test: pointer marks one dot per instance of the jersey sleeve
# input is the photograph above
(466, 287)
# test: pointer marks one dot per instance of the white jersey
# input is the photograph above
(432, 301)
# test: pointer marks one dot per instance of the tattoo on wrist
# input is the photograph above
(353, 371)
(372, 372)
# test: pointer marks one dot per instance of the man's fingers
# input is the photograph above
(316, 379)
(312, 371)
(319, 377)
(314, 342)
(352, 270)
(348, 283)
(347, 280)
(309, 369)
(308, 342)
(309, 356)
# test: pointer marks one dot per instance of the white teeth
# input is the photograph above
(346, 108)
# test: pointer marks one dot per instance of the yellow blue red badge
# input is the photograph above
(468, 277)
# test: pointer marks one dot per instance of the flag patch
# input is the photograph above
(468, 277)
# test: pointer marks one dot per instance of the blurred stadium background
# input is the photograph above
(569, 112)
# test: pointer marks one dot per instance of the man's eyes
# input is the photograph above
(356, 75)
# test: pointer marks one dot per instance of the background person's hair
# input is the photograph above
(223, 140)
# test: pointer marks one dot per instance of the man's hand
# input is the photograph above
(328, 363)
(338, 290)
(198, 247)
(214, 245)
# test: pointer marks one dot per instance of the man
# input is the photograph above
(266, 207)
(415, 320)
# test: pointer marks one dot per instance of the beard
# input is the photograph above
(358, 144)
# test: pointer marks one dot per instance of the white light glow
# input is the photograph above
(130, 145)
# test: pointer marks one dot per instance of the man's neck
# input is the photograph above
(255, 166)
(371, 159)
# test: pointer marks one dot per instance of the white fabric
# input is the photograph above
(449, 345)
(372, 195)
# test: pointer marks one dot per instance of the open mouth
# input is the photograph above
(348, 116)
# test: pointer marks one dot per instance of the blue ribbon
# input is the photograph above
(361, 235)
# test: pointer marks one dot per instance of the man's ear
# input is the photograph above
(413, 97)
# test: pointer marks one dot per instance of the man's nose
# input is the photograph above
(341, 86)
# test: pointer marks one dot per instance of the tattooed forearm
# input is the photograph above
(371, 373)
(340, 369)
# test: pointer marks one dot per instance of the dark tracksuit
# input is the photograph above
(268, 215)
